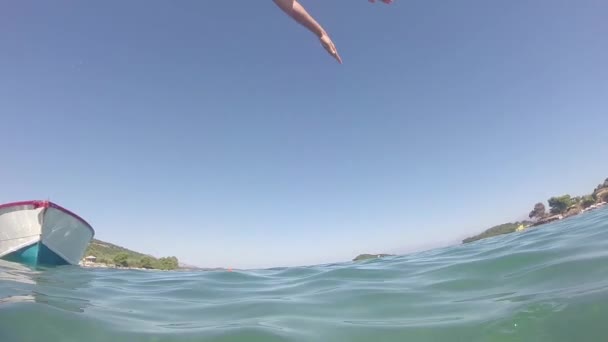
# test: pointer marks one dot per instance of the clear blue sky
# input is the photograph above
(221, 132)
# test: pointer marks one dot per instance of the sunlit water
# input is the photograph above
(545, 284)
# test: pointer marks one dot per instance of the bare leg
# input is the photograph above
(299, 14)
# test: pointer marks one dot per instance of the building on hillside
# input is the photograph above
(90, 259)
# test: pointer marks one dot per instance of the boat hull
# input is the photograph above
(42, 233)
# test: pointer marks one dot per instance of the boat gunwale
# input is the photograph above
(48, 204)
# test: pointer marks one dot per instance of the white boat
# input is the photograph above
(42, 233)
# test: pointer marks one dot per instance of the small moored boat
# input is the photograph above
(42, 233)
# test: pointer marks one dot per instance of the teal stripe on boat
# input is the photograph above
(36, 254)
(47, 257)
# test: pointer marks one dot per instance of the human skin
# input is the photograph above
(296, 11)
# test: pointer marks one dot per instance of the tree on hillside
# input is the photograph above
(598, 193)
(121, 259)
(168, 263)
(560, 204)
(146, 262)
(601, 186)
(539, 211)
(587, 201)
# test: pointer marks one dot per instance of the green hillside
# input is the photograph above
(505, 228)
(370, 256)
(111, 254)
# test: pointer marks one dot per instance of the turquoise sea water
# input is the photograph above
(545, 284)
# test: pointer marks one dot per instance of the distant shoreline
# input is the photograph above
(561, 207)
(109, 266)
(102, 254)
